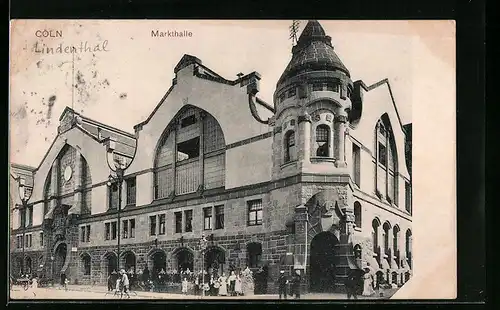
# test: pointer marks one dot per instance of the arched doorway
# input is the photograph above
(59, 259)
(19, 266)
(185, 260)
(159, 260)
(129, 261)
(110, 263)
(323, 262)
(215, 259)
(29, 265)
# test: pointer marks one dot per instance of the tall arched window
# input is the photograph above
(290, 150)
(190, 155)
(386, 162)
(46, 192)
(357, 214)
(408, 244)
(323, 141)
(395, 239)
(387, 229)
(375, 228)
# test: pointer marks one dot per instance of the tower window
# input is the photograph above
(289, 146)
(322, 141)
(291, 92)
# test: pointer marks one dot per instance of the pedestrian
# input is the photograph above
(380, 285)
(238, 286)
(296, 284)
(124, 283)
(368, 283)
(63, 279)
(223, 285)
(232, 283)
(66, 282)
(282, 282)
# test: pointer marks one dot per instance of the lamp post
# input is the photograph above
(52, 266)
(118, 167)
(203, 247)
(24, 203)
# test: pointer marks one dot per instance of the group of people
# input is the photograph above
(213, 284)
(119, 282)
(362, 282)
(294, 283)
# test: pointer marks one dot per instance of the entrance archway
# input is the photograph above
(110, 263)
(29, 265)
(185, 260)
(323, 262)
(159, 260)
(130, 261)
(59, 259)
(215, 259)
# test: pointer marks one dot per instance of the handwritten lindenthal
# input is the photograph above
(84, 47)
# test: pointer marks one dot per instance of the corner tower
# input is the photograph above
(312, 102)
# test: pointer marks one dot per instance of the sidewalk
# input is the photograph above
(157, 295)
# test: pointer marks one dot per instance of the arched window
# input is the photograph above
(408, 244)
(323, 141)
(375, 227)
(46, 192)
(290, 151)
(254, 251)
(395, 240)
(386, 162)
(357, 214)
(190, 156)
(86, 264)
(387, 229)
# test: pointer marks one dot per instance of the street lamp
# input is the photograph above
(203, 247)
(24, 204)
(118, 167)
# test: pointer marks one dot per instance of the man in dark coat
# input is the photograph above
(296, 284)
(354, 283)
(282, 282)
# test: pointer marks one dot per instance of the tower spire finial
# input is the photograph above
(294, 29)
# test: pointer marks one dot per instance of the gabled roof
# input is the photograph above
(203, 72)
(378, 84)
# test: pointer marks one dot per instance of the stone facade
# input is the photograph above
(309, 162)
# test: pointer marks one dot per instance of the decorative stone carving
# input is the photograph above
(343, 196)
(305, 118)
(341, 118)
(317, 117)
(329, 118)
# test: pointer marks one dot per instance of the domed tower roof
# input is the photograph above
(313, 52)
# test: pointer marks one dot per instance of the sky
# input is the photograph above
(122, 85)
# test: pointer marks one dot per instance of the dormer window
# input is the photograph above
(323, 141)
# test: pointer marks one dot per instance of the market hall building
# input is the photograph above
(317, 181)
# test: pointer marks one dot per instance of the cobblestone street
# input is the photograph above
(100, 292)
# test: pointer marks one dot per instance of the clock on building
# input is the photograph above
(67, 173)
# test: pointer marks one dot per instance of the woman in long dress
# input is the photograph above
(223, 285)
(238, 287)
(367, 283)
